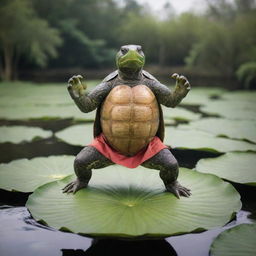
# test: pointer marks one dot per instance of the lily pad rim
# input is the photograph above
(129, 236)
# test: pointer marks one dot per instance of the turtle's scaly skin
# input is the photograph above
(130, 118)
(129, 76)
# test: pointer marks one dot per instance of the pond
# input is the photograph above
(21, 234)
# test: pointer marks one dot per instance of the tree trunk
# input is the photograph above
(8, 59)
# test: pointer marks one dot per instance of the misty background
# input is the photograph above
(213, 42)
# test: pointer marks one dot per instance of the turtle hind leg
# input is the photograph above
(89, 158)
(166, 163)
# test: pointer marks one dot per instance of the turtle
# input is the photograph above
(128, 117)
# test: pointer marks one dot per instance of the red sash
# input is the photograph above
(153, 148)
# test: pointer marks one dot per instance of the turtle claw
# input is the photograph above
(175, 76)
(178, 190)
(76, 86)
(74, 186)
(182, 82)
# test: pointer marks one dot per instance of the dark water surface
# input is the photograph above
(21, 235)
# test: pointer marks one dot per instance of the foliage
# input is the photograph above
(246, 74)
(123, 203)
(22, 32)
(238, 240)
(221, 40)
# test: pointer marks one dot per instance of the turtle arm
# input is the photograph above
(90, 101)
(167, 97)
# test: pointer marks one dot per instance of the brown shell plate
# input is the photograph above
(130, 118)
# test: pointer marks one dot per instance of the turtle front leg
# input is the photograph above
(165, 162)
(89, 158)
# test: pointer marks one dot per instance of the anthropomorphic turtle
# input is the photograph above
(129, 127)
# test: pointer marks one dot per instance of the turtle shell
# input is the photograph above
(129, 118)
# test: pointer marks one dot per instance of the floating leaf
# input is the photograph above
(78, 135)
(234, 129)
(201, 95)
(239, 241)
(236, 166)
(129, 203)
(199, 140)
(25, 112)
(179, 114)
(26, 175)
(231, 109)
(20, 93)
(17, 134)
(240, 96)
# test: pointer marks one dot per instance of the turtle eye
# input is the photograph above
(124, 50)
(139, 48)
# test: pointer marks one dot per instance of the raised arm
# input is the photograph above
(87, 102)
(170, 98)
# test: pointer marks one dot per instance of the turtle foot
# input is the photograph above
(74, 186)
(178, 190)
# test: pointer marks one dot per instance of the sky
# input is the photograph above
(179, 5)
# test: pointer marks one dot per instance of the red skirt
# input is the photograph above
(153, 148)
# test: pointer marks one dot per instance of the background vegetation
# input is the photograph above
(85, 34)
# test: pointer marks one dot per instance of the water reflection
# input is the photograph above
(115, 247)
(21, 235)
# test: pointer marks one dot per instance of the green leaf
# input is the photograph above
(129, 203)
(26, 175)
(240, 96)
(199, 140)
(201, 95)
(233, 166)
(179, 114)
(78, 135)
(231, 109)
(18, 134)
(237, 241)
(25, 112)
(234, 129)
(29, 94)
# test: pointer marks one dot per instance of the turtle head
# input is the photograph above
(130, 58)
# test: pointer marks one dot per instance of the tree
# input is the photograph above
(23, 33)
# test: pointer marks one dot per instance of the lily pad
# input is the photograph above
(240, 96)
(129, 203)
(201, 96)
(78, 135)
(26, 112)
(20, 93)
(18, 134)
(239, 241)
(231, 109)
(234, 129)
(180, 114)
(199, 140)
(233, 166)
(26, 175)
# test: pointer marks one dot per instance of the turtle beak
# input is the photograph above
(132, 60)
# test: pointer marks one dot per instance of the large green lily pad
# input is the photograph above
(234, 129)
(132, 202)
(26, 175)
(237, 241)
(199, 140)
(234, 166)
(25, 112)
(240, 96)
(17, 134)
(78, 135)
(179, 114)
(21, 93)
(231, 109)
(201, 95)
